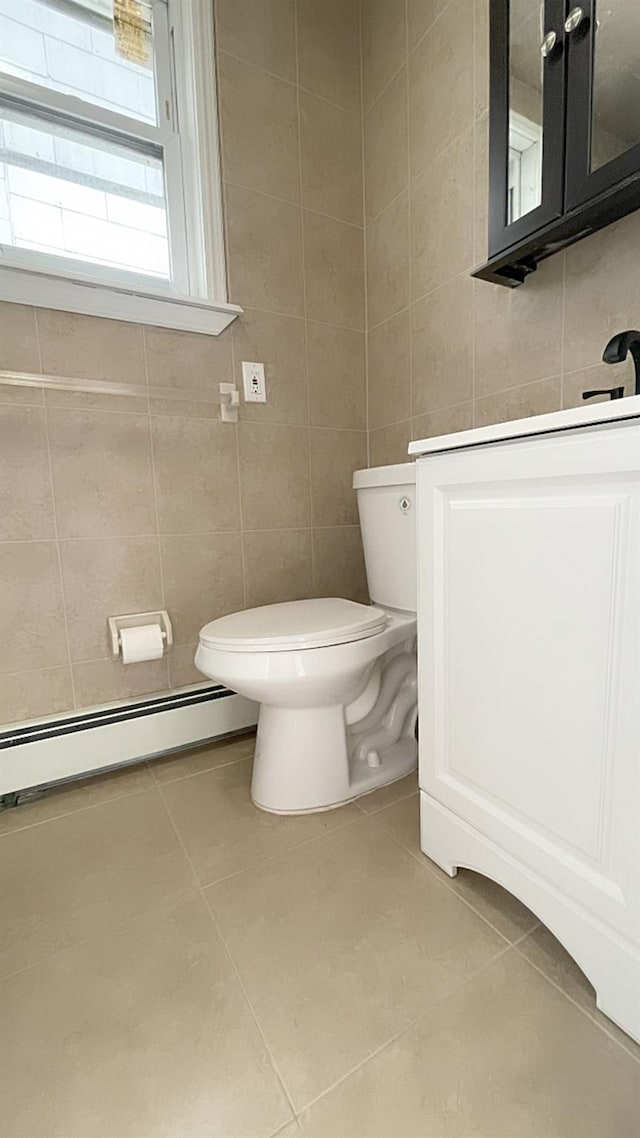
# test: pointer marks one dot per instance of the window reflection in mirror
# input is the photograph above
(526, 30)
(616, 80)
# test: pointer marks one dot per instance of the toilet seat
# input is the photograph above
(294, 625)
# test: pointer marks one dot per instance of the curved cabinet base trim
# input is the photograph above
(610, 963)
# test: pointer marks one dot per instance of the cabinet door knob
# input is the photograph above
(573, 20)
(548, 44)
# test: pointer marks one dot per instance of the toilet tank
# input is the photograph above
(387, 507)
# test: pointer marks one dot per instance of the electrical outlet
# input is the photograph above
(255, 388)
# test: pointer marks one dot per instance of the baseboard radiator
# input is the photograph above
(56, 749)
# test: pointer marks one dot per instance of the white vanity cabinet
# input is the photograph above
(529, 675)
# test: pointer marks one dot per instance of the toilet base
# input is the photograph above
(319, 758)
(267, 788)
(300, 762)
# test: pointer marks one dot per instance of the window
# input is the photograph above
(525, 166)
(109, 169)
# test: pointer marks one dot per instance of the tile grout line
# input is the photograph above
(424, 861)
(365, 277)
(156, 511)
(415, 175)
(78, 809)
(603, 1028)
(305, 304)
(269, 859)
(396, 802)
(290, 82)
(370, 222)
(366, 110)
(194, 533)
(154, 784)
(249, 1003)
(211, 418)
(474, 222)
(408, 1027)
(193, 774)
(236, 427)
(563, 321)
(461, 276)
(325, 833)
(56, 530)
(154, 910)
(298, 205)
(408, 53)
(409, 199)
(428, 29)
(217, 929)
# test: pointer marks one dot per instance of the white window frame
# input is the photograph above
(186, 137)
(525, 165)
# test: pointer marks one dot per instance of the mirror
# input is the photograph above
(616, 80)
(524, 168)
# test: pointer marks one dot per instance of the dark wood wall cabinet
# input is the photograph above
(564, 127)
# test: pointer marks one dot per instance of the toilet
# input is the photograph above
(335, 680)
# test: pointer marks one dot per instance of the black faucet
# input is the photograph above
(616, 352)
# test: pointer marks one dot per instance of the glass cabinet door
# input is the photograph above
(526, 104)
(527, 113)
(603, 110)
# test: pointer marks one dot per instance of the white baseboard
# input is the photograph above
(59, 748)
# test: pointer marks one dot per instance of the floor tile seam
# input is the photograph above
(201, 890)
(319, 837)
(405, 1030)
(214, 920)
(194, 774)
(78, 810)
(514, 944)
(585, 1012)
(158, 909)
(249, 1003)
(379, 810)
(270, 859)
(423, 861)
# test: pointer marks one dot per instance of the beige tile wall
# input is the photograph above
(446, 352)
(108, 507)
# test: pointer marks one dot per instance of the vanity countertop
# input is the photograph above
(614, 410)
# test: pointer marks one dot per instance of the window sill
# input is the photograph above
(92, 297)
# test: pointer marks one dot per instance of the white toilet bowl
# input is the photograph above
(336, 719)
(335, 680)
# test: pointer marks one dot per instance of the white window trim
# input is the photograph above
(525, 138)
(69, 286)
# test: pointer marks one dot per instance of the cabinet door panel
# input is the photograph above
(603, 100)
(529, 642)
(526, 123)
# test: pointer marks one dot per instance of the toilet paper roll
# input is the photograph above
(142, 642)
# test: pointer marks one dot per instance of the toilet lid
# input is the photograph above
(295, 624)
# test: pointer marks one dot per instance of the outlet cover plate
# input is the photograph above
(255, 388)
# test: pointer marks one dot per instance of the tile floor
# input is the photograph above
(177, 964)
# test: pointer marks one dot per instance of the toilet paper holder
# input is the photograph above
(131, 620)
